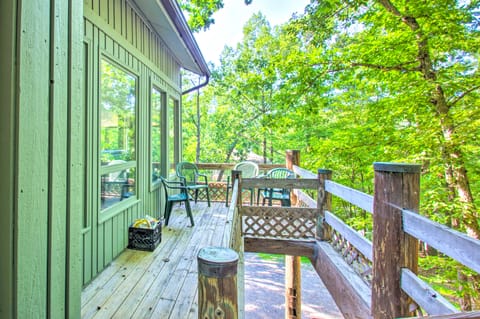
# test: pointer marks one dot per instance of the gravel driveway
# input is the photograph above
(264, 290)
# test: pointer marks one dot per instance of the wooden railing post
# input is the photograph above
(292, 157)
(293, 287)
(217, 283)
(324, 203)
(397, 187)
(237, 175)
(293, 275)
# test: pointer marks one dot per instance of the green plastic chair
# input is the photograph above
(175, 192)
(249, 170)
(281, 194)
(188, 173)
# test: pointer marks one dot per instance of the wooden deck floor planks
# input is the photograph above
(159, 284)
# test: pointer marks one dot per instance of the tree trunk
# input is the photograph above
(466, 300)
(454, 164)
(227, 159)
(455, 172)
(265, 149)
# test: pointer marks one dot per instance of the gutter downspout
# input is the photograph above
(207, 78)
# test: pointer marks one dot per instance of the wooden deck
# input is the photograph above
(159, 284)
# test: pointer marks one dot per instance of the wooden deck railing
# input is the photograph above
(397, 231)
(367, 279)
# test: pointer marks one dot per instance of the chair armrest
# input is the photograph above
(178, 187)
(183, 180)
(204, 177)
(175, 183)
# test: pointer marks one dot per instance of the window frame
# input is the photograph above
(154, 85)
(115, 208)
(175, 100)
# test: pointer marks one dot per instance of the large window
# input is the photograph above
(117, 133)
(158, 99)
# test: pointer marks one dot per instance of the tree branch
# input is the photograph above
(390, 7)
(461, 96)
(399, 67)
(423, 55)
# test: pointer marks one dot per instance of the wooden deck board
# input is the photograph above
(163, 283)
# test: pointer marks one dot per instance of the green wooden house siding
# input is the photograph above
(55, 235)
(41, 162)
(116, 32)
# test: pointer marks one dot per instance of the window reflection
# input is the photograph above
(117, 114)
(117, 186)
(156, 133)
(172, 133)
(117, 134)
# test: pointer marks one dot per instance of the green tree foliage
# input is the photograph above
(409, 72)
(200, 12)
(355, 82)
(117, 112)
(399, 82)
(249, 81)
(243, 99)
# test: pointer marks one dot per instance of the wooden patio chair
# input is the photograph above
(281, 194)
(249, 170)
(175, 192)
(188, 173)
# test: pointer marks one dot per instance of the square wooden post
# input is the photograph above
(292, 157)
(324, 203)
(293, 274)
(397, 187)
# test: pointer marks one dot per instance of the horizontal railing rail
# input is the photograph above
(455, 244)
(332, 245)
(289, 183)
(232, 237)
(424, 295)
(221, 171)
(452, 243)
(353, 196)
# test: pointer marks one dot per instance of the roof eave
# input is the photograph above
(166, 17)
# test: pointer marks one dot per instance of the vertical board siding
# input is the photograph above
(8, 147)
(108, 242)
(131, 26)
(32, 171)
(58, 160)
(103, 5)
(90, 90)
(117, 16)
(118, 234)
(115, 30)
(100, 257)
(154, 206)
(87, 257)
(44, 265)
(111, 12)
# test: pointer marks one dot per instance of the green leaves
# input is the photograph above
(200, 12)
(353, 82)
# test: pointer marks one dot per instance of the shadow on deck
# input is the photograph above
(163, 283)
